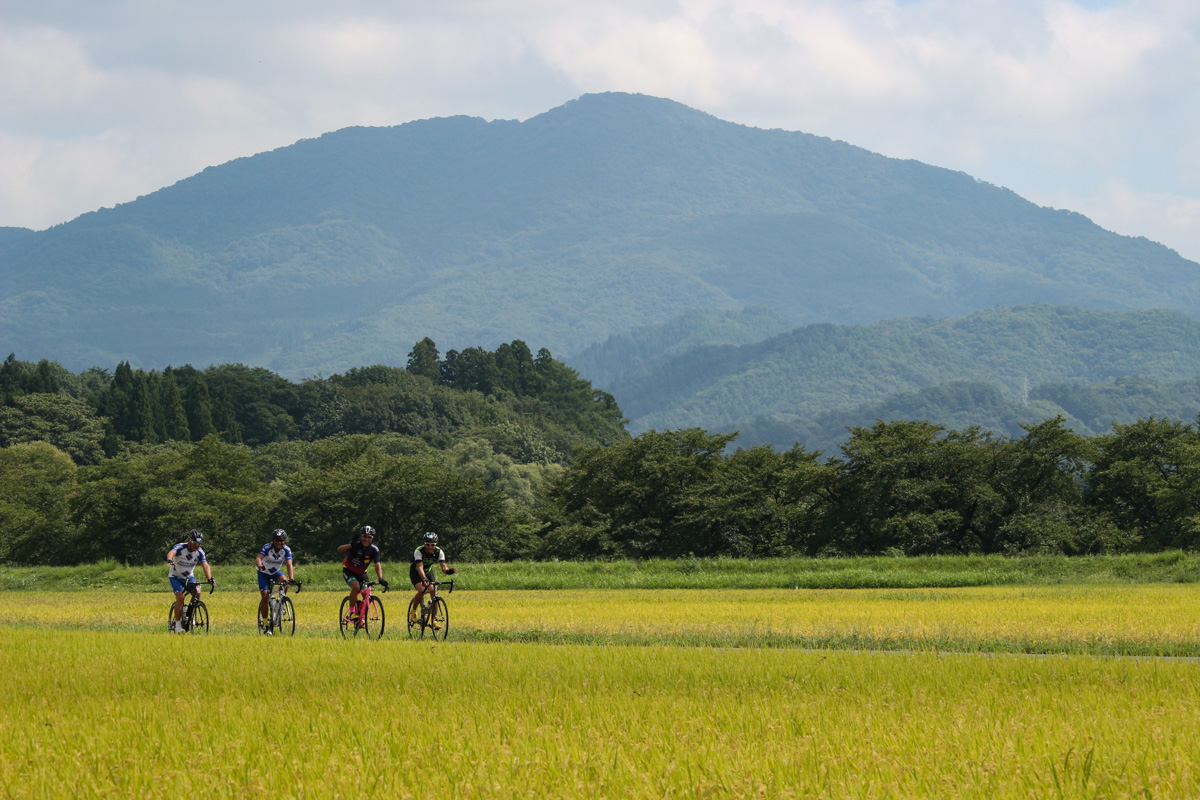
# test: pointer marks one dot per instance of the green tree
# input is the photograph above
(350, 482)
(174, 415)
(198, 405)
(65, 422)
(35, 522)
(915, 487)
(134, 506)
(1147, 477)
(224, 419)
(423, 360)
(636, 498)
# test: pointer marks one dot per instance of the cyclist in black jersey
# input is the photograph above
(427, 553)
(360, 552)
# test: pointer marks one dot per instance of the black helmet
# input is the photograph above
(280, 535)
(366, 530)
(195, 536)
(430, 538)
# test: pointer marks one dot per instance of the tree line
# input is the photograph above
(903, 487)
(531, 407)
(510, 455)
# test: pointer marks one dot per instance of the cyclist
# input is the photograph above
(428, 552)
(273, 555)
(183, 559)
(360, 552)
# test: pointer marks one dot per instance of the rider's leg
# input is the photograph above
(263, 605)
(178, 605)
(414, 607)
(354, 590)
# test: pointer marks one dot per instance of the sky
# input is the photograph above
(1088, 105)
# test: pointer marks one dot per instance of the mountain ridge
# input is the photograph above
(610, 212)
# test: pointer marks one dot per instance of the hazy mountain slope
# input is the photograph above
(609, 213)
(1090, 410)
(605, 363)
(820, 368)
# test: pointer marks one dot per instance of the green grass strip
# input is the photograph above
(718, 573)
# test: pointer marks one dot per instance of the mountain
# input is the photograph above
(995, 368)
(609, 213)
(622, 353)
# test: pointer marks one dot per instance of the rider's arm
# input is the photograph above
(291, 575)
(344, 547)
(259, 562)
(207, 570)
(446, 569)
(171, 556)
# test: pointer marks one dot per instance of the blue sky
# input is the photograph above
(1083, 104)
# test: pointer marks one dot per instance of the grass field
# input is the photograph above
(696, 573)
(603, 693)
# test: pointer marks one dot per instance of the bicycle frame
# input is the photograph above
(424, 616)
(364, 598)
(361, 617)
(188, 612)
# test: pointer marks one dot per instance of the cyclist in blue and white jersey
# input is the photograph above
(273, 556)
(427, 553)
(183, 558)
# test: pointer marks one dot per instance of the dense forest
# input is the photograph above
(510, 455)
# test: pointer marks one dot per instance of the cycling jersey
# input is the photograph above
(185, 561)
(358, 557)
(420, 555)
(273, 560)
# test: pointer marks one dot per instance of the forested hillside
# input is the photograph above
(607, 214)
(996, 369)
(116, 465)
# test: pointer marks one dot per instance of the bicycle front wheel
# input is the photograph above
(415, 628)
(199, 618)
(344, 623)
(171, 618)
(374, 623)
(439, 620)
(286, 624)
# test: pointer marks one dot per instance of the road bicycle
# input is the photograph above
(433, 617)
(281, 614)
(369, 619)
(195, 614)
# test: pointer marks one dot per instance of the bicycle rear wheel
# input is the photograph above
(286, 624)
(199, 618)
(374, 623)
(439, 620)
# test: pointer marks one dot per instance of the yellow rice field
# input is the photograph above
(99, 701)
(1144, 616)
(112, 714)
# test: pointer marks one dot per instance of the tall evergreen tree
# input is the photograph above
(423, 360)
(143, 403)
(174, 415)
(44, 381)
(224, 420)
(198, 405)
(118, 403)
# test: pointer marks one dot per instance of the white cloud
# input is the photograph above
(1092, 101)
